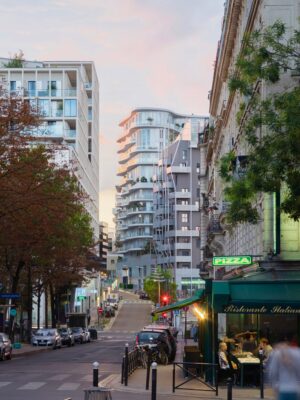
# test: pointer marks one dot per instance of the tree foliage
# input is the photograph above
(167, 286)
(45, 232)
(270, 125)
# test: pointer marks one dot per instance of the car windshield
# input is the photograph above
(44, 333)
(63, 331)
(76, 330)
(146, 336)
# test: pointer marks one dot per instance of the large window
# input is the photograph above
(56, 108)
(43, 106)
(70, 108)
(31, 88)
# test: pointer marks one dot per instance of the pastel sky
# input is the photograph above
(148, 53)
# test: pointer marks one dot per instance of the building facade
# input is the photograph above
(66, 94)
(259, 239)
(177, 218)
(146, 132)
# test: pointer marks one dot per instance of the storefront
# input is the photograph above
(265, 303)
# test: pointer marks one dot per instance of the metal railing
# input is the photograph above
(131, 361)
(199, 372)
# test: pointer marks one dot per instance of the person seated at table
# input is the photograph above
(265, 348)
(227, 367)
(249, 344)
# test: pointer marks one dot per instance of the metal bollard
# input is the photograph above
(95, 374)
(261, 374)
(154, 381)
(229, 389)
(149, 359)
(126, 365)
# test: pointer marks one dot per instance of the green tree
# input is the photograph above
(167, 286)
(271, 125)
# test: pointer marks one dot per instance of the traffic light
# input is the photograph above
(164, 315)
(165, 300)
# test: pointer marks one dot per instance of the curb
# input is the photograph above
(30, 352)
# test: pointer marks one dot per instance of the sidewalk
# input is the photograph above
(192, 389)
(28, 349)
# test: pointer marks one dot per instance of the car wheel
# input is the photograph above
(2, 357)
(9, 357)
(81, 341)
(69, 343)
(54, 346)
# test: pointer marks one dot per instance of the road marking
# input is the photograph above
(108, 379)
(2, 384)
(59, 377)
(69, 386)
(32, 386)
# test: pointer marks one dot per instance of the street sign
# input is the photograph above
(13, 312)
(10, 296)
(232, 261)
(186, 308)
(79, 298)
(100, 310)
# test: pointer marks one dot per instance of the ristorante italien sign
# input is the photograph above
(232, 261)
(262, 309)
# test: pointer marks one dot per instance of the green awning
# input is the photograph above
(182, 303)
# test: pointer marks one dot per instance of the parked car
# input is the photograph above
(113, 302)
(156, 340)
(144, 296)
(109, 311)
(79, 335)
(5, 347)
(47, 337)
(87, 335)
(67, 337)
(171, 333)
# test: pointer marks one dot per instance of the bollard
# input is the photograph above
(95, 374)
(149, 359)
(123, 366)
(173, 379)
(229, 389)
(126, 365)
(261, 373)
(154, 381)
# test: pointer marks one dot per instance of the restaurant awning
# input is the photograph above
(182, 303)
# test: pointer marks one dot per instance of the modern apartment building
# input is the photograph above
(261, 239)
(105, 244)
(146, 132)
(66, 93)
(177, 219)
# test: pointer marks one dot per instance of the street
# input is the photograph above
(65, 373)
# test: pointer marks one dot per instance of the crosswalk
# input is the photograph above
(60, 382)
(137, 302)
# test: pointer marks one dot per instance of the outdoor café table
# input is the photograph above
(246, 361)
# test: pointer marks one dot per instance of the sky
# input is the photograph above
(148, 53)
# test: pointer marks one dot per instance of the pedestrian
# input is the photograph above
(265, 348)
(284, 372)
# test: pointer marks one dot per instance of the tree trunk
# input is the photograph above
(14, 288)
(52, 303)
(46, 308)
(39, 306)
(29, 305)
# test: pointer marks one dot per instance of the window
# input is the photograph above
(43, 106)
(184, 154)
(31, 88)
(184, 217)
(198, 192)
(90, 145)
(56, 108)
(55, 88)
(184, 228)
(13, 85)
(70, 108)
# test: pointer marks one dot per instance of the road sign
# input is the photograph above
(100, 310)
(232, 261)
(186, 308)
(13, 312)
(79, 298)
(10, 295)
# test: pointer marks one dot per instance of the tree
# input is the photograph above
(16, 61)
(270, 125)
(45, 232)
(166, 286)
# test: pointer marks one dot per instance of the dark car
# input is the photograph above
(79, 335)
(67, 337)
(5, 347)
(144, 296)
(155, 340)
(171, 333)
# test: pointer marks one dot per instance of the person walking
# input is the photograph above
(283, 371)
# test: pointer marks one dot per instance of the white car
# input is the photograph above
(47, 337)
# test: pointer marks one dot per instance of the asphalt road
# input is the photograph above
(65, 373)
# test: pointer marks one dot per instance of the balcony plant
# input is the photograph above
(143, 179)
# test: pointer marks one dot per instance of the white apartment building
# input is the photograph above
(263, 238)
(145, 132)
(177, 216)
(67, 95)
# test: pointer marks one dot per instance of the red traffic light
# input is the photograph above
(164, 315)
(165, 298)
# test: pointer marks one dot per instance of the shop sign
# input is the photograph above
(262, 309)
(232, 261)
